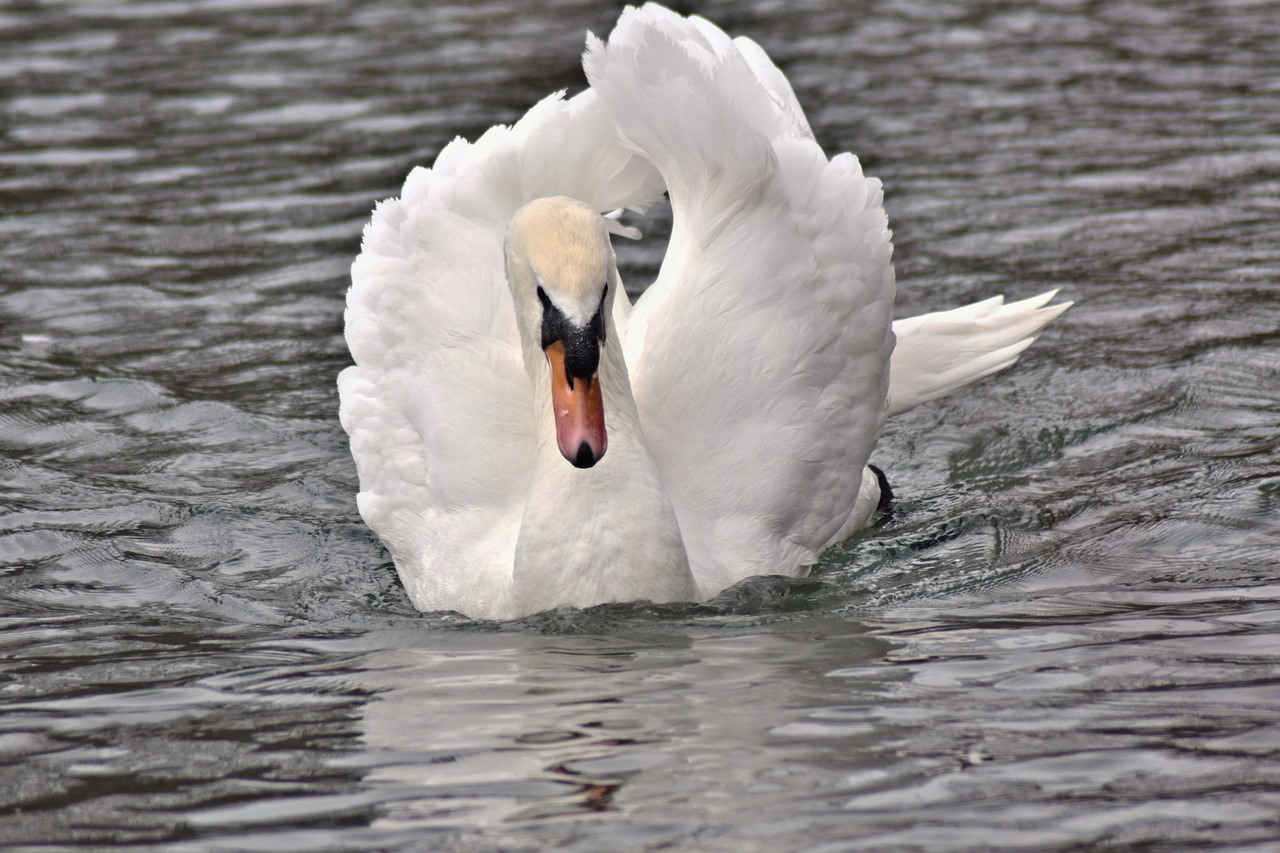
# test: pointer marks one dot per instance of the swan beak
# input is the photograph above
(579, 410)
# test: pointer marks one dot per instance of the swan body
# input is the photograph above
(526, 438)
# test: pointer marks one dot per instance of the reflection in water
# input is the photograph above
(1066, 638)
(520, 728)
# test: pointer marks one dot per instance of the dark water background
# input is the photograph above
(1067, 637)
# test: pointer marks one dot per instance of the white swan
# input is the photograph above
(525, 438)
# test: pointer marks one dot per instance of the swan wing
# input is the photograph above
(438, 404)
(943, 351)
(759, 357)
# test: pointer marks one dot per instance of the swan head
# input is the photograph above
(562, 274)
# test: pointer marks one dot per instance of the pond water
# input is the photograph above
(1067, 636)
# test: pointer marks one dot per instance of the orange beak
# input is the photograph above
(579, 410)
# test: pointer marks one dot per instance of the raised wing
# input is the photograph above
(438, 404)
(759, 357)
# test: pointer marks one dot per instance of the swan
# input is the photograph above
(527, 438)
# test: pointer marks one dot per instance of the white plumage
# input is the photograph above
(742, 394)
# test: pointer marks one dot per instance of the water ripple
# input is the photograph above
(1063, 637)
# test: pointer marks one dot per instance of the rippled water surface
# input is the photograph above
(1067, 636)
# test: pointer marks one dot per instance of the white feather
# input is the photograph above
(758, 358)
(745, 390)
(944, 351)
(437, 404)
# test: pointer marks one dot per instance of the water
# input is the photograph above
(1066, 637)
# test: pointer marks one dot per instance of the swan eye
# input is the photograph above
(597, 322)
(552, 320)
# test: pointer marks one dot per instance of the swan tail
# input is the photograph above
(944, 351)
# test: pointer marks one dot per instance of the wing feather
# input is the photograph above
(759, 357)
(438, 404)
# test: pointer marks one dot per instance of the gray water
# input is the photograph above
(1067, 636)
